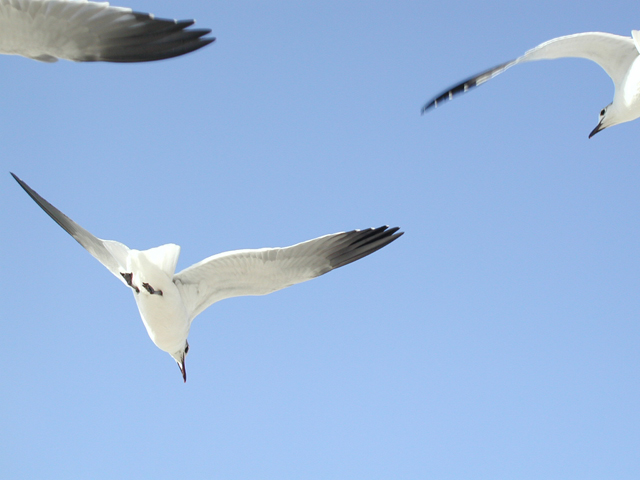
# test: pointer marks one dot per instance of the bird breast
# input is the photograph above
(160, 304)
(631, 89)
(164, 316)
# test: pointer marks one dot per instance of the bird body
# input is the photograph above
(86, 31)
(164, 316)
(617, 55)
(168, 301)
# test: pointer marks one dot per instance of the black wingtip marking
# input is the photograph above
(152, 39)
(465, 86)
(60, 218)
(360, 243)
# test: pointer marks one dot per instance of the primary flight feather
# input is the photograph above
(85, 31)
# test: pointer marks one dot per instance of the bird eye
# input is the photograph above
(602, 112)
(186, 349)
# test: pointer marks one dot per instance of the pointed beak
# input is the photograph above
(598, 128)
(183, 369)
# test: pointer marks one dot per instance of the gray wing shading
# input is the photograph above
(83, 31)
(108, 252)
(265, 270)
(614, 53)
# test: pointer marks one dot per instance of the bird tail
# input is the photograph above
(164, 257)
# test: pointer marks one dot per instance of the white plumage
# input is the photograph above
(168, 302)
(617, 55)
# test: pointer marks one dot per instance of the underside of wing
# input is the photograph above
(265, 270)
(614, 53)
(110, 253)
(89, 31)
(466, 85)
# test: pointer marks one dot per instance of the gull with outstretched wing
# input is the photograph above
(168, 301)
(617, 55)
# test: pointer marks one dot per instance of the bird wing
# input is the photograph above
(110, 253)
(265, 270)
(83, 31)
(614, 53)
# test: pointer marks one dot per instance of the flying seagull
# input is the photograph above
(168, 302)
(616, 54)
(84, 31)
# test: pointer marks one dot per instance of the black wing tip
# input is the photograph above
(396, 235)
(155, 39)
(25, 187)
(464, 86)
(30, 191)
(42, 203)
(384, 229)
(361, 243)
(427, 106)
(154, 52)
(150, 17)
(373, 234)
(448, 94)
(444, 97)
(166, 25)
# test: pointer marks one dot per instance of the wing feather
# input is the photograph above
(265, 270)
(110, 253)
(85, 31)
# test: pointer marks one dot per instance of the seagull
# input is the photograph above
(168, 301)
(617, 55)
(84, 31)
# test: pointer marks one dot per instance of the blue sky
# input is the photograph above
(497, 339)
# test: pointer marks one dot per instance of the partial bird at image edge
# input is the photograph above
(616, 55)
(87, 31)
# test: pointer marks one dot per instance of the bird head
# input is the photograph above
(612, 115)
(605, 119)
(180, 357)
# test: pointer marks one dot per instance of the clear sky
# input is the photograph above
(497, 339)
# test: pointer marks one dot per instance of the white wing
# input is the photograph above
(110, 253)
(83, 31)
(265, 270)
(613, 53)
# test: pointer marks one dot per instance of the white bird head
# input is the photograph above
(180, 357)
(613, 114)
(607, 118)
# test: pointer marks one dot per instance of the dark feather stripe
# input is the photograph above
(360, 243)
(150, 39)
(464, 86)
